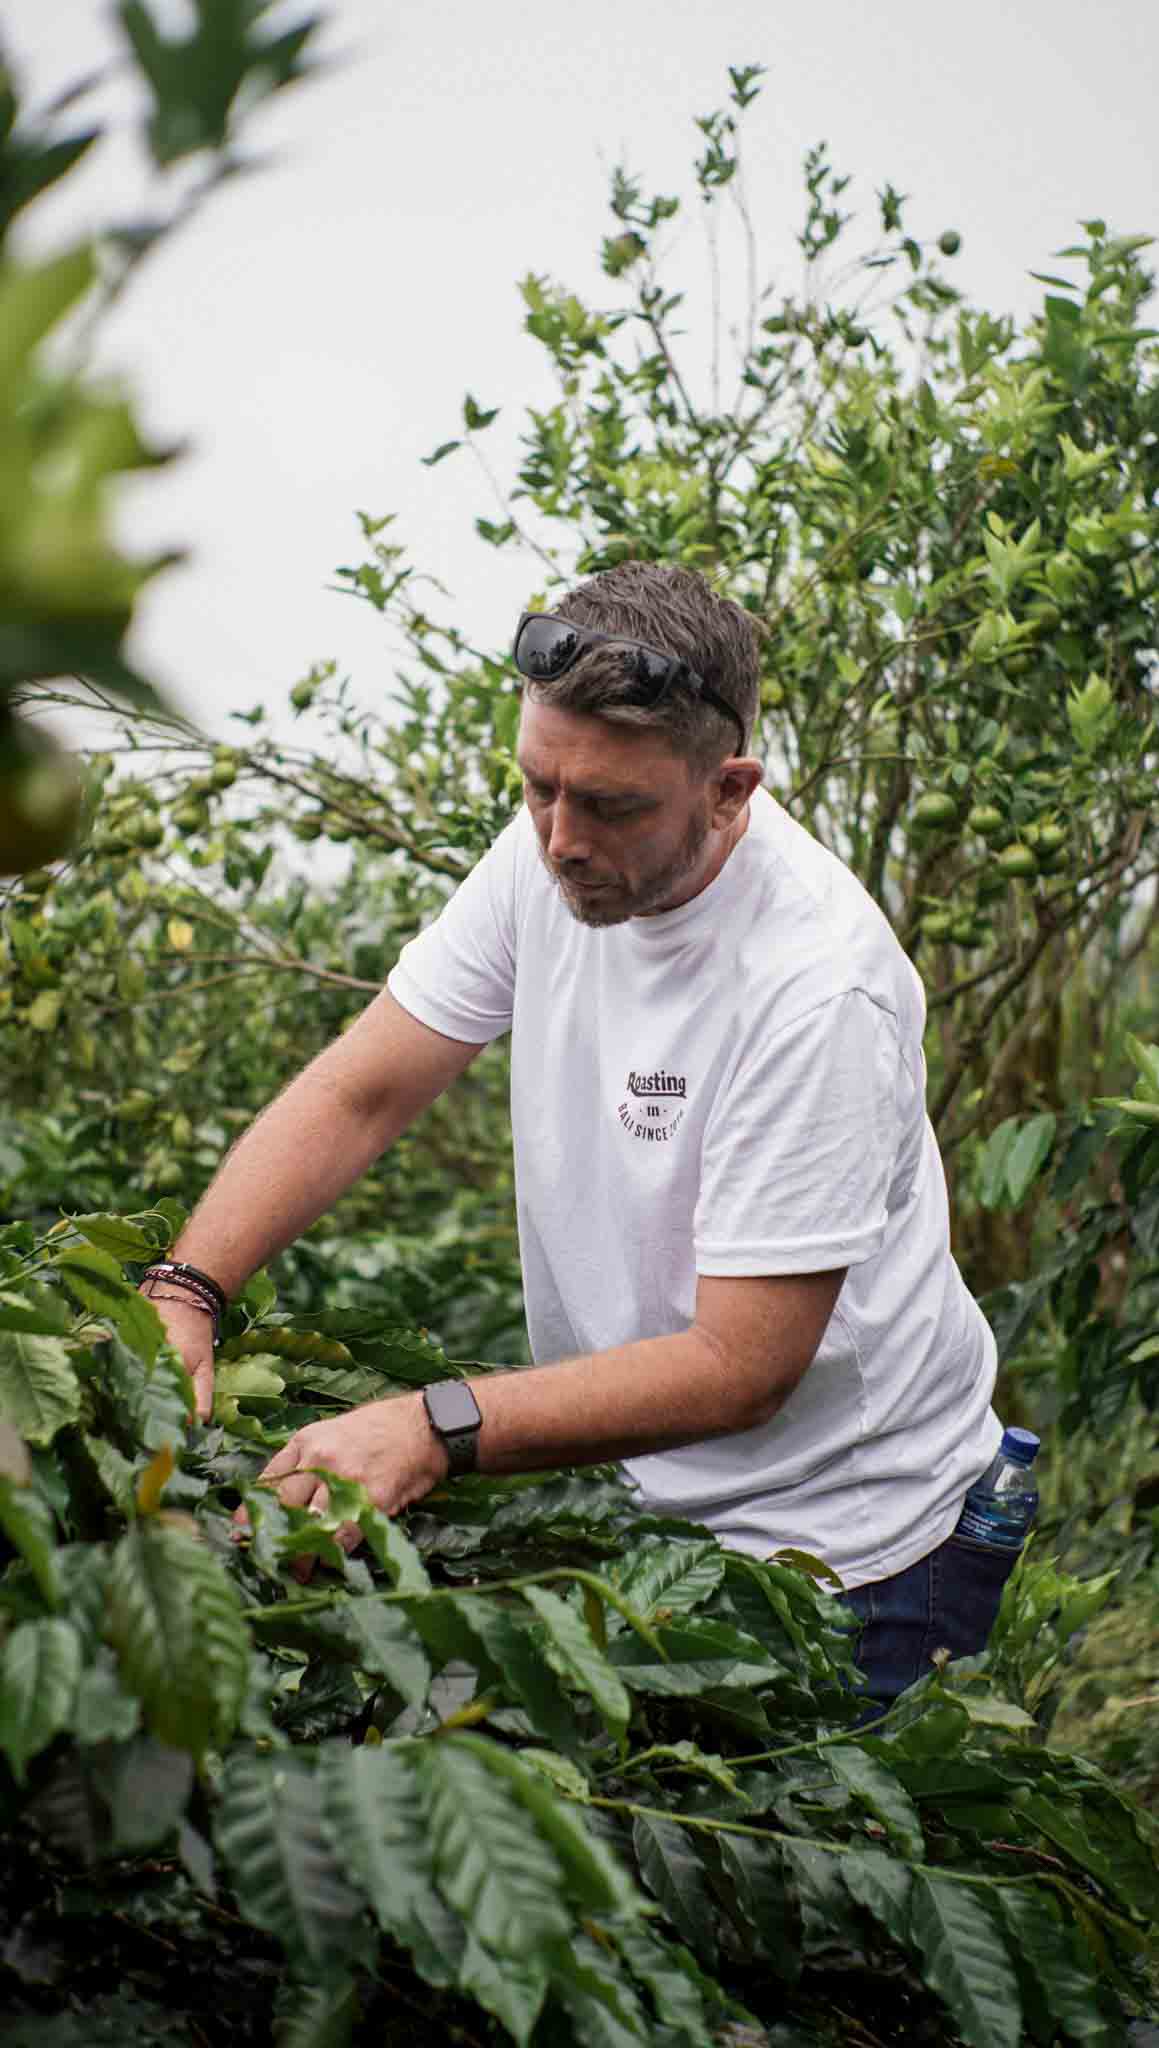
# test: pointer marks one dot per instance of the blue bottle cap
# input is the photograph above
(1020, 1445)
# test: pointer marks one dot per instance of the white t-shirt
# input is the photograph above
(734, 1087)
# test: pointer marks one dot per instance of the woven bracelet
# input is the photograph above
(190, 1289)
(178, 1271)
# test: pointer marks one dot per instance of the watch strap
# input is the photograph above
(462, 1444)
(462, 1449)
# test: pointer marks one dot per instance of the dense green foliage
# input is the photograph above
(580, 1766)
(532, 1766)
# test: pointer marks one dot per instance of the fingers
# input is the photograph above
(202, 1376)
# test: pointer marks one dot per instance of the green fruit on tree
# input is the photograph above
(1051, 838)
(189, 818)
(965, 932)
(950, 242)
(992, 882)
(938, 926)
(1018, 862)
(134, 1107)
(307, 828)
(987, 820)
(934, 811)
(168, 1176)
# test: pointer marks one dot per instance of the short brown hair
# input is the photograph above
(677, 611)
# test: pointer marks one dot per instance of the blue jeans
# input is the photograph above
(948, 1600)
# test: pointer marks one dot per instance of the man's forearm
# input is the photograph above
(654, 1395)
(287, 1169)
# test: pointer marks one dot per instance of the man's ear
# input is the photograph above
(736, 780)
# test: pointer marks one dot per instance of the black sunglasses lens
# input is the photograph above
(545, 648)
(649, 670)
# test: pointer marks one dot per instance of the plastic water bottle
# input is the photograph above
(1001, 1505)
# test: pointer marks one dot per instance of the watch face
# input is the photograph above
(452, 1406)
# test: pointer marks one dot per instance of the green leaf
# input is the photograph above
(559, 1771)
(987, 1712)
(175, 1622)
(28, 1523)
(494, 1869)
(117, 1475)
(1146, 1059)
(286, 1874)
(670, 1866)
(147, 1788)
(671, 1979)
(991, 1163)
(575, 1656)
(40, 1669)
(376, 1822)
(35, 1310)
(700, 1655)
(966, 1961)
(119, 1236)
(769, 1925)
(1090, 712)
(604, 2010)
(380, 1640)
(39, 1391)
(385, 1646)
(444, 449)
(156, 1400)
(675, 1576)
(512, 1991)
(247, 1380)
(1058, 1964)
(476, 416)
(822, 1900)
(1028, 1154)
(33, 299)
(349, 1502)
(595, 1881)
(813, 1567)
(318, 2015)
(511, 1657)
(95, 1278)
(876, 1788)
(1112, 1864)
(104, 1711)
(882, 1885)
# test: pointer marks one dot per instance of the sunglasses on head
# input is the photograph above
(546, 646)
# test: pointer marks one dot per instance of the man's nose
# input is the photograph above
(567, 840)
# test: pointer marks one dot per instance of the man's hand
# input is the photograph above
(388, 1446)
(190, 1331)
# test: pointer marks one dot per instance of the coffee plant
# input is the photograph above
(533, 1766)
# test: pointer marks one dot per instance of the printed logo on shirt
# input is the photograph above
(653, 1106)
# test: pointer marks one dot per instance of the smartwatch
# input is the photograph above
(453, 1414)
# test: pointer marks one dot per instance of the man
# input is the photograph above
(732, 1211)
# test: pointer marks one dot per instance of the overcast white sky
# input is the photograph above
(312, 336)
